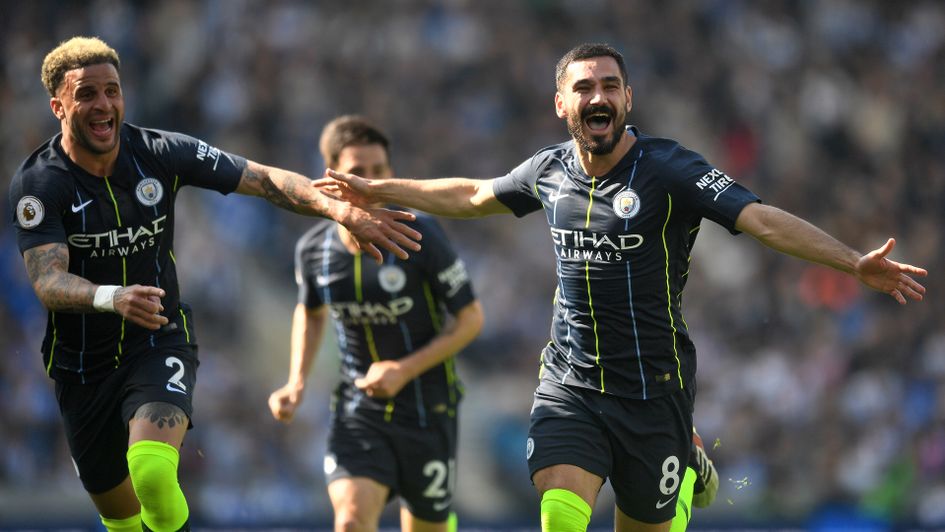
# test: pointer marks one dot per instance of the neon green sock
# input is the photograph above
(153, 468)
(684, 502)
(564, 511)
(128, 524)
(452, 523)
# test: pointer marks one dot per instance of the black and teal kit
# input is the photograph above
(623, 243)
(119, 230)
(617, 379)
(385, 312)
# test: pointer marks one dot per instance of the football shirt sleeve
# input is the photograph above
(202, 165)
(305, 276)
(516, 190)
(36, 207)
(446, 272)
(705, 189)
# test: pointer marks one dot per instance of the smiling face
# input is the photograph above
(90, 106)
(594, 100)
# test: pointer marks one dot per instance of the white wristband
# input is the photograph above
(105, 298)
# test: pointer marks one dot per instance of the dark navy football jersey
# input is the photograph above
(623, 243)
(120, 231)
(386, 311)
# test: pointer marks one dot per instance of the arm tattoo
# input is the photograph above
(59, 290)
(162, 414)
(289, 194)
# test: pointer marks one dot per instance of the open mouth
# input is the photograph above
(598, 121)
(102, 128)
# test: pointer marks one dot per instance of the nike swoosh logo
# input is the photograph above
(323, 280)
(172, 389)
(77, 208)
(554, 197)
(661, 504)
(440, 506)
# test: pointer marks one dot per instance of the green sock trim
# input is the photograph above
(684, 502)
(153, 469)
(564, 511)
(452, 523)
(128, 524)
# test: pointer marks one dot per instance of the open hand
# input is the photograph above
(346, 187)
(370, 226)
(888, 276)
(374, 227)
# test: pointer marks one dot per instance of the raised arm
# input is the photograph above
(455, 197)
(294, 192)
(384, 379)
(789, 234)
(307, 328)
(60, 291)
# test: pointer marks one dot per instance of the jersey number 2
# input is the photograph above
(175, 379)
(441, 483)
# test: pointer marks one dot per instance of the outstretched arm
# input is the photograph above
(307, 327)
(455, 197)
(294, 192)
(384, 379)
(60, 291)
(789, 234)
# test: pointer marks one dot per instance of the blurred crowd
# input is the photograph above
(817, 399)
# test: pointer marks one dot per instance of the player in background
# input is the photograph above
(617, 380)
(393, 428)
(93, 209)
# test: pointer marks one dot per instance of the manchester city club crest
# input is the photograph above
(392, 278)
(29, 212)
(626, 203)
(149, 191)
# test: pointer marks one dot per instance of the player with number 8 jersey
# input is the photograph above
(617, 379)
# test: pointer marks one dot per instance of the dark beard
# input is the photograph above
(594, 144)
(86, 143)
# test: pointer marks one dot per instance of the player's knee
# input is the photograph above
(564, 511)
(349, 520)
(153, 469)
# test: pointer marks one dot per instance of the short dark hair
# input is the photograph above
(349, 130)
(77, 52)
(587, 51)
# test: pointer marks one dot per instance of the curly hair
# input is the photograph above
(77, 52)
(348, 130)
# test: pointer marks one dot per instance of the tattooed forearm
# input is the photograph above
(280, 197)
(59, 290)
(290, 191)
(162, 414)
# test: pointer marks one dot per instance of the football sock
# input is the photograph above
(564, 511)
(452, 523)
(128, 524)
(153, 468)
(684, 502)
